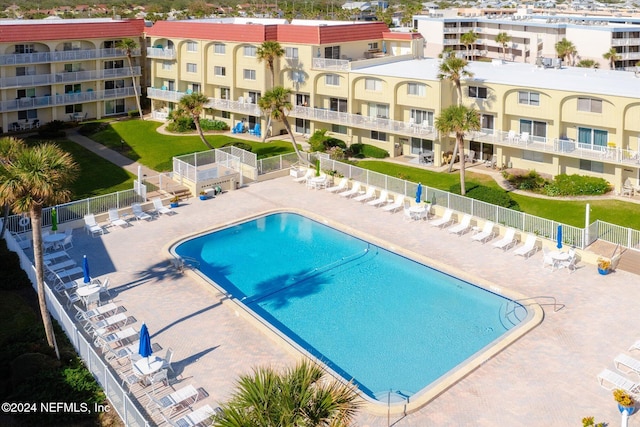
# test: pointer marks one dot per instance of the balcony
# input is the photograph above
(330, 64)
(72, 77)
(63, 56)
(65, 99)
(160, 53)
(625, 42)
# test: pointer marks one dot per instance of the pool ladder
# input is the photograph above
(184, 261)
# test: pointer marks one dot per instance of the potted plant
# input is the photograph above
(625, 401)
(203, 195)
(590, 422)
(604, 265)
(175, 200)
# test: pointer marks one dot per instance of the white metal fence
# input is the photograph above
(119, 398)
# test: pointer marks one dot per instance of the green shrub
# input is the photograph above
(531, 181)
(181, 124)
(487, 194)
(89, 128)
(239, 144)
(321, 142)
(374, 152)
(133, 113)
(208, 124)
(577, 185)
(52, 130)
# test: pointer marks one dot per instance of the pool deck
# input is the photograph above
(548, 377)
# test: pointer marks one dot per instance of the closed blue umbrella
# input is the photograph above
(418, 193)
(559, 246)
(85, 269)
(54, 220)
(145, 349)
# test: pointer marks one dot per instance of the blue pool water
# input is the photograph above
(382, 320)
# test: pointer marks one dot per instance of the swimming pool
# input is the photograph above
(380, 319)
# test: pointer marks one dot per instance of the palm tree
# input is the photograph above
(612, 56)
(275, 103)
(566, 50)
(192, 105)
(9, 147)
(269, 51)
(36, 177)
(459, 120)
(468, 39)
(128, 46)
(503, 38)
(453, 68)
(300, 396)
(587, 63)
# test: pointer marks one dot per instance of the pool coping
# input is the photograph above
(535, 313)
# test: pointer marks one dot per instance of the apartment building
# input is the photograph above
(532, 35)
(59, 69)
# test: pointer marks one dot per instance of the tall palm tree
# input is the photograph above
(276, 103)
(566, 50)
(9, 147)
(268, 52)
(503, 39)
(459, 120)
(453, 69)
(612, 56)
(128, 46)
(300, 396)
(36, 177)
(468, 39)
(192, 105)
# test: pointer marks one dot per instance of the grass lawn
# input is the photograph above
(145, 145)
(571, 212)
(97, 176)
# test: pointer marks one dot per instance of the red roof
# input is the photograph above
(257, 33)
(71, 30)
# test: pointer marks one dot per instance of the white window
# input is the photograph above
(534, 156)
(477, 92)
(592, 166)
(219, 49)
(380, 111)
(249, 51)
(378, 136)
(590, 105)
(422, 117)
(192, 47)
(373, 46)
(249, 74)
(416, 89)
(529, 98)
(167, 65)
(24, 48)
(373, 84)
(108, 65)
(332, 80)
(192, 68)
(291, 52)
(486, 121)
(338, 128)
(31, 70)
(219, 71)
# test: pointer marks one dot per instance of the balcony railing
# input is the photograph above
(625, 42)
(67, 98)
(64, 55)
(629, 55)
(330, 64)
(160, 53)
(72, 77)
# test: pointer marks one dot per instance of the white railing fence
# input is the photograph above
(186, 167)
(119, 398)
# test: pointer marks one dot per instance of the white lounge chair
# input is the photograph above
(160, 209)
(354, 190)
(397, 204)
(610, 380)
(182, 398)
(194, 418)
(508, 241)
(369, 195)
(91, 226)
(486, 234)
(136, 208)
(463, 227)
(447, 218)
(383, 199)
(529, 248)
(115, 219)
(342, 185)
(305, 177)
(630, 364)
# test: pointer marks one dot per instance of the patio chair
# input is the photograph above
(238, 128)
(383, 199)
(194, 418)
(91, 226)
(511, 136)
(610, 380)
(524, 138)
(369, 195)
(447, 218)
(355, 189)
(630, 364)
(159, 377)
(342, 185)
(168, 357)
(569, 264)
(305, 177)
(139, 213)
(463, 227)
(114, 219)
(529, 248)
(397, 204)
(179, 399)
(470, 156)
(104, 289)
(255, 131)
(635, 346)
(486, 234)
(627, 188)
(548, 259)
(72, 298)
(67, 243)
(160, 209)
(508, 241)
